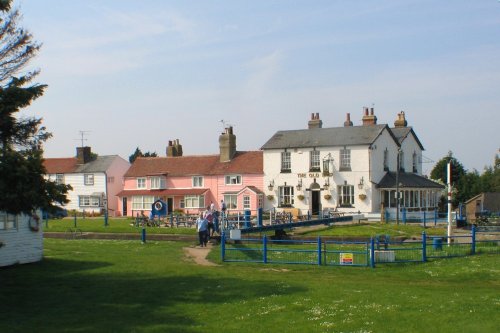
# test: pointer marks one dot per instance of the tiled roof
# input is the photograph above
(69, 165)
(248, 162)
(407, 180)
(326, 137)
(401, 133)
(173, 192)
(60, 165)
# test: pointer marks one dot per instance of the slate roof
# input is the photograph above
(407, 180)
(243, 162)
(69, 165)
(327, 137)
(401, 133)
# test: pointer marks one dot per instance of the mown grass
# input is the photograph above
(123, 286)
(373, 229)
(115, 225)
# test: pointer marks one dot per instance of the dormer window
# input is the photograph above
(157, 183)
(141, 183)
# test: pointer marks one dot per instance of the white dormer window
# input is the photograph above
(157, 183)
(141, 182)
(197, 181)
(233, 180)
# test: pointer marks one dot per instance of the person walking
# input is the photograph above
(202, 228)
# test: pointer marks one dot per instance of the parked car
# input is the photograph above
(55, 213)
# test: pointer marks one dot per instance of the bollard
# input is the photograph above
(372, 253)
(143, 235)
(473, 240)
(74, 220)
(319, 250)
(105, 219)
(223, 246)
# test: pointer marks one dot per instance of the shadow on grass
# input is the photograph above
(66, 295)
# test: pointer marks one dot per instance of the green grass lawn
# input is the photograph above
(123, 286)
(373, 229)
(115, 225)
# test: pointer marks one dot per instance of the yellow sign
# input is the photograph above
(346, 258)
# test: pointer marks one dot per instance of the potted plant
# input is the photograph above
(300, 197)
(328, 196)
(362, 196)
(270, 197)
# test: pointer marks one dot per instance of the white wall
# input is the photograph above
(76, 180)
(21, 245)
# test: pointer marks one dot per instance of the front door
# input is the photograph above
(170, 205)
(124, 206)
(315, 202)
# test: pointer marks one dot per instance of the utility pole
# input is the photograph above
(449, 201)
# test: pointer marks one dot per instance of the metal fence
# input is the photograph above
(377, 250)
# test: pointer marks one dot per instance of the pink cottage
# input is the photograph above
(191, 183)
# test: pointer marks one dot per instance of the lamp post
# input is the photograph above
(397, 187)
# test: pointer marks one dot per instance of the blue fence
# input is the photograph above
(431, 217)
(378, 250)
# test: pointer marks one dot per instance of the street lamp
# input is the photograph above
(397, 186)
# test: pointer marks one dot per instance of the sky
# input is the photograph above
(129, 73)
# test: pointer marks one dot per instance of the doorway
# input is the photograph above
(124, 206)
(170, 205)
(315, 202)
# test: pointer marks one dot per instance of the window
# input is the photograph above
(261, 201)
(59, 178)
(286, 165)
(345, 160)
(142, 202)
(111, 180)
(89, 201)
(285, 196)
(198, 181)
(233, 180)
(181, 204)
(157, 182)
(88, 179)
(246, 202)
(194, 201)
(141, 182)
(231, 201)
(415, 162)
(314, 164)
(346, 195)
(326, 167)
(401, 161)
(7, 221)
(386, 159)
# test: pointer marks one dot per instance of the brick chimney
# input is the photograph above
(227, 145)
(83, 155)
(174, 148)
(401, 121)
(369, 117)
(315, 122)
(348, 122)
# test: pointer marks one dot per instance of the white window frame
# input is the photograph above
(89, 201)
(194, 201)
(141, 183)
(286, 161)
(314, 160)
(157, 182)
(345, 159)
(231, 201)
(8, 221)
(59, 178)
(142, 202)
(88, 179)
(246, 202)
(181, 203)
(233, 179)
(345, 195)
(286, 196)
(197, 181)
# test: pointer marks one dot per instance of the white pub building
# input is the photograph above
(348, 169)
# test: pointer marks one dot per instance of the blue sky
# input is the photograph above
(140, 73)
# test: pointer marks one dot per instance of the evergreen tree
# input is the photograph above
(139, 153)
(23, 187)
